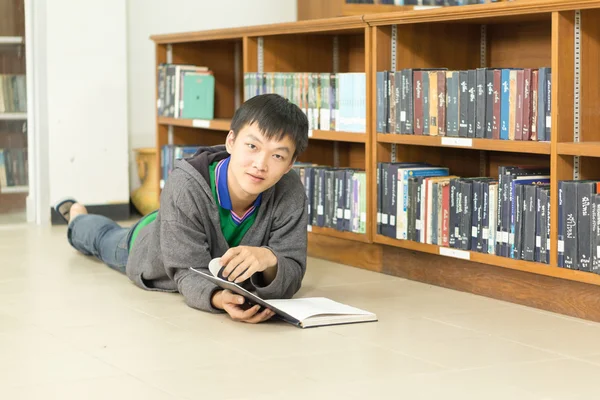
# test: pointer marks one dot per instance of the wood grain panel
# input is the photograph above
(455, 47)
(352, 53)
(357, 254)
(195, 136)
(12, 18)
(548, 293)
(318, 152)
(356, 155)
(250, 54)
(219, 56)
(313, 9)
(590, 81)
(520, 45)
(298, 53)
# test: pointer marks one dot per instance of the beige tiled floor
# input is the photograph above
(71, 328)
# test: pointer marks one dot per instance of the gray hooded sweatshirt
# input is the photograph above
(187, 233)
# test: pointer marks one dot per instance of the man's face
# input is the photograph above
(257, 163)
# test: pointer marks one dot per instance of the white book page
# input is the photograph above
(303, 308)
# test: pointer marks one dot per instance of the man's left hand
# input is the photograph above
(243, 261)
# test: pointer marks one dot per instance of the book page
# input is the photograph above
(303, 308)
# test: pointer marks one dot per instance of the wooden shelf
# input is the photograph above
(500, 12)
(512, 146)
(519, 34)
(359, 9)
(14, 189)
(351, 137)
(13, 116)
(317, 230)
(586, 149)
(214, 124)
(491, 259)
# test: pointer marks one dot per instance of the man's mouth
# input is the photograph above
(256, 178)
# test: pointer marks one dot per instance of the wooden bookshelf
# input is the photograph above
(521, 34)
(467, 143)
(221, 124)
(358, 237)
(337, 136)
(13, 136)
(585, 149)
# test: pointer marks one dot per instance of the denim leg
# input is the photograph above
(99, 236)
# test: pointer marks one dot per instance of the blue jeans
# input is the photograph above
(99, 236)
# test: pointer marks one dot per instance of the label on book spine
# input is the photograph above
(561, 246)
(309, 228)
(201, 123)
(448, 252)
(454, 141)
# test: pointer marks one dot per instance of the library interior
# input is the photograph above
(346, 199)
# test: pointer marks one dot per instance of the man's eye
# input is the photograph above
(251, 146)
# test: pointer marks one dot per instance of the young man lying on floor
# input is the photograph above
(236, 201)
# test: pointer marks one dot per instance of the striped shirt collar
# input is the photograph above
(223, 193)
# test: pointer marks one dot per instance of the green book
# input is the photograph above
(198, 96)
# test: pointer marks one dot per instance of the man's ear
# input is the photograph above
(229, 141)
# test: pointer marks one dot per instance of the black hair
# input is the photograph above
(276, 118)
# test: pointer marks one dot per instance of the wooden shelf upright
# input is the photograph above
(523, 34)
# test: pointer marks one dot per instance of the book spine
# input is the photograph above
(505, 104)
(484, 227)
(585, 190)
(529, 223)
(418, 221)
(519, 104)
(534, 104)
(518, 222)
(433, 104)
(496, 108)
(467, 190)
(434, 214)
(418, 96)
(596, 244)
(512, 104)
(392, 100)
(493, 212)
(548, 224)
(379, 199)
(570, 223)
(548, 114)
(441, 85)
(541, 111)
(480, 89)
(425, 99)
(452, 212)
(445, 214)
(340, 178)
(540, 212)
(463, 104)
(561, 229)
(527, 104)
(398, 83)
(410, 102)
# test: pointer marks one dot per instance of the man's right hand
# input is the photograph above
(231, 303)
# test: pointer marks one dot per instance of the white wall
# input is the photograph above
(86, 82)
(150, 17)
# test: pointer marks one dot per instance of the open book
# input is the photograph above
(302, 312)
